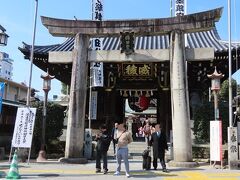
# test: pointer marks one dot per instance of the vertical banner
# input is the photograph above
(2, 86)
(94, 105)
(96, 78)
(215, 140)
(24, 125)
(97, 43)
(179, 8)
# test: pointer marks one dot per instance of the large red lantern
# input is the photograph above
(139, 104)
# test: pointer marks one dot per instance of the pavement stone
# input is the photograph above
(56, 170)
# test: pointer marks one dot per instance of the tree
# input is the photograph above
(223, 93)
(54, 123)
(205, 113)
(64, 89)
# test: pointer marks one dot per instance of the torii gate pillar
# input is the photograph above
(77, 104)
(182, 145)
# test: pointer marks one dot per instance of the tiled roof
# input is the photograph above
(194, 40)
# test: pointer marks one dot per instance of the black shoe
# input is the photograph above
(98, 170)
(165, 170)
(155, 168)
(105, 171)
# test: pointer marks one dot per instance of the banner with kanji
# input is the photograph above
(24, 126)
(97, 44)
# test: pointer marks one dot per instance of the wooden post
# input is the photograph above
(77, 104)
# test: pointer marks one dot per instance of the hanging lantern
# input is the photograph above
(143, 102)
(138, 104)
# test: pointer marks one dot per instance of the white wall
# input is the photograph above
(6, 66)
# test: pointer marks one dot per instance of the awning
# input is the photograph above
(12, 103)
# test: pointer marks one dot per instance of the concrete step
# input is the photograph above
(136, 149)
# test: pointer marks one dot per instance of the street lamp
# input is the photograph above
(3, 36)
(46, 88)
(215, 87)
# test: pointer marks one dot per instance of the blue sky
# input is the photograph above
(17, 16)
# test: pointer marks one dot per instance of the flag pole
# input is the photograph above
(230, 64)
(32, 54)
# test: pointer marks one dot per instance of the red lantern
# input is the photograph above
(143, 102)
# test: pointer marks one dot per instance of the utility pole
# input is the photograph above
(32, 53)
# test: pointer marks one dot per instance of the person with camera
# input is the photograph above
(103, 142)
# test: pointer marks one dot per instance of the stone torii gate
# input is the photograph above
(175, 27)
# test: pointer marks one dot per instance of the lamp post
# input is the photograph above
(3, 36)
(46, 88)
(215, 87)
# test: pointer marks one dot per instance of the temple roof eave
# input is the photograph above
(61, 71)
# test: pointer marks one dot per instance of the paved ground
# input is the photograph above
(55, 170)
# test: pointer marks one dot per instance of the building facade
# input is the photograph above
(14, 96)
(6, 66)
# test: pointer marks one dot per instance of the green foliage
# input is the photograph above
(54, 123)
(200, 152)
(64, 89)
(223, 93)
(203, 115)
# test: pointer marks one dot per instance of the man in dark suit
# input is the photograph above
(159, 143)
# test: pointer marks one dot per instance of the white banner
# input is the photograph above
(96, 74)
(94, 105)
(179, 8)
(215, 140)
(98, 10)
(24, 125)
(97, 44)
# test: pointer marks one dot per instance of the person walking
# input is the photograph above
(103, 142)
(114, 137)
(159, 143)
(147, 131)
(124, 138)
